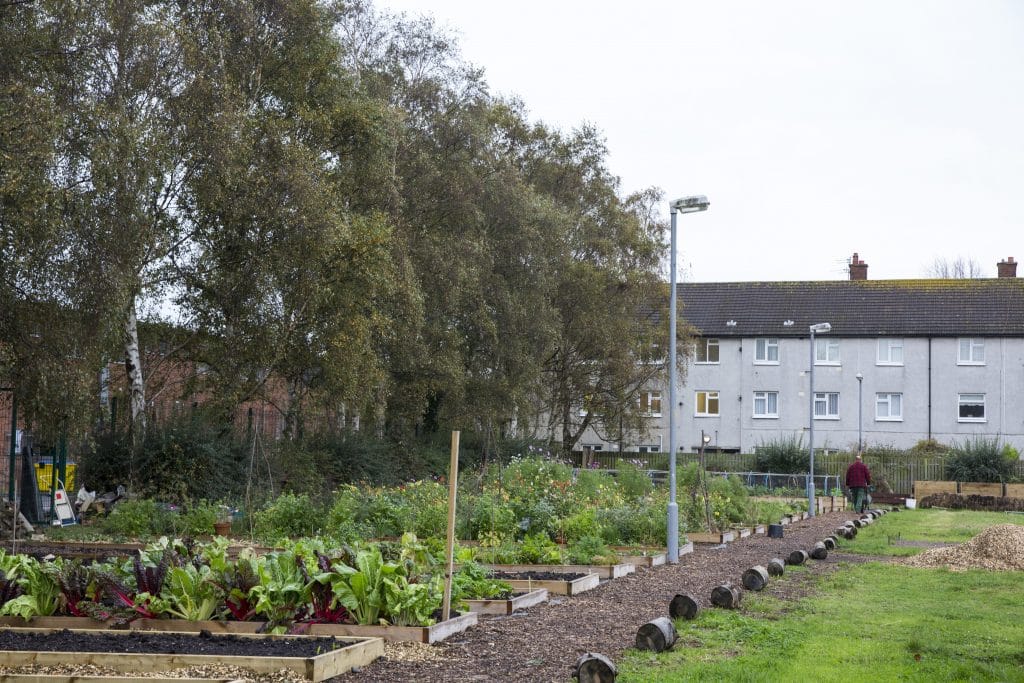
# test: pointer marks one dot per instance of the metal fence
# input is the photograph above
(895, 474)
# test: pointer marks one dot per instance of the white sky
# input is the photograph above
(893, 128)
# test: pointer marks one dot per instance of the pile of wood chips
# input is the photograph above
(999, 547)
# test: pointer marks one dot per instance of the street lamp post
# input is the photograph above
(860, 412)
(684, 205)
(819, 328)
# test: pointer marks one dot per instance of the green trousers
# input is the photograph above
(860, 497)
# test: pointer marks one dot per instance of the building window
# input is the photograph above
(593, 446)
(707, 404)
(650, 447)
(972, 352)
(972, 408)
(650, 403)
(766, 404)
(706, 351)
(766, 350)
(826, 352)
(826, 405)
(890, 352)
(889, 407)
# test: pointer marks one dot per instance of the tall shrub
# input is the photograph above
(980, 459)
(784, 455)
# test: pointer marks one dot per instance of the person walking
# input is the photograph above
(858, 479)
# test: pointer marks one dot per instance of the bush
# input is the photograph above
(198, 520)
(492, 518)
(929, 448)
(784, 456)
(633, 482)
(139, 518)
(980, 459)
(590, 550)
(290, 516)
(183, 460)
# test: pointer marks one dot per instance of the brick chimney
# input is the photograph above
(859, 269)
(1007, 268)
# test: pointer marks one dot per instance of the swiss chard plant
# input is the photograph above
(281, 592)
(361, 588)
(27, 589)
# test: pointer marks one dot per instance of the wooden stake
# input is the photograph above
(453, 478)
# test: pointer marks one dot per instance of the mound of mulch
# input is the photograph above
(953, 501)
(999, 547)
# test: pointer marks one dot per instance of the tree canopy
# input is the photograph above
(320, 193)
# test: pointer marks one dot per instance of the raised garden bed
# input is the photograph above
(604, 571)
(520, 600)
(416, 634)
(316, 659)
(648, 559)
(717, 538)
(555, 583)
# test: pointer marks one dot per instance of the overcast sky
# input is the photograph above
(893, 128)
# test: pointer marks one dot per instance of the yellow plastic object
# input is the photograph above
(44, 474)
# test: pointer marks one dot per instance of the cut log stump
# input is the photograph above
(683, 606)
(656, 635)
(594, 667)
(755, 578)
(727, 596)
(797, 558)
(776, 567)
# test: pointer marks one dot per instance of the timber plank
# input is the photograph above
(555, 587)
(520, 601)
(355, 652)
(605, 571)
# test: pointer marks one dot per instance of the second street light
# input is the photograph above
(860, 412)
(819, 328)
(684, 205)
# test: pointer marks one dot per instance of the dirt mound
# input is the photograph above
(999, 547)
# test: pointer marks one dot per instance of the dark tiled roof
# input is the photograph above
(914, 308)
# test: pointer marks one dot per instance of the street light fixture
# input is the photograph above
(818, 328)
(860, 412)
(691, 204)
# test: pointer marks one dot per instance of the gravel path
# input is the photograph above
(542, 643)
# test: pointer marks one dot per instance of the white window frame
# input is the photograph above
(889, 399)
(975, 348)
(830, 346)
(765, 398)
(762, 348)
(651, 447)
(830, 400)
(886, 346)
(645, 400)
(709, 395)
(970, 399)
(707, 343)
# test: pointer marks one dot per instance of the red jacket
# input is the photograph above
(857, 474)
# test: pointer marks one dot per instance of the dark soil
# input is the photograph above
(537, 576)
(542, 643)
(203, 643)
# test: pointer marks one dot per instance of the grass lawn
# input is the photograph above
(951, 526)
(867, 622)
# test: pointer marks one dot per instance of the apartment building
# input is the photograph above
(904, 360)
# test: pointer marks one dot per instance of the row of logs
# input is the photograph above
(659, 635)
